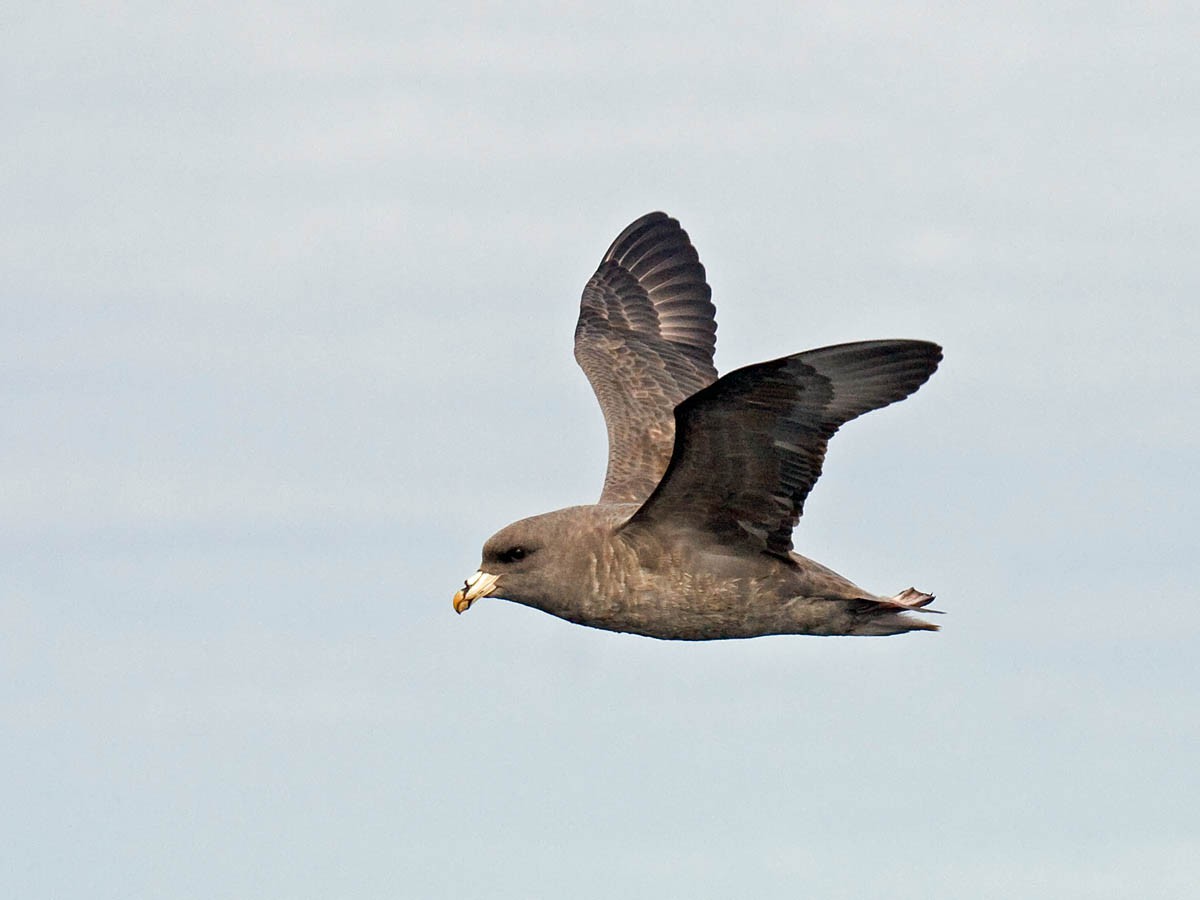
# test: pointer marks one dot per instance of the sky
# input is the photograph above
(287, 294)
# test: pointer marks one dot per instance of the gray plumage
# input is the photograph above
(645, 339)
(706, 479)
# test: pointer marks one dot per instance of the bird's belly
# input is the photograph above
(691, 609)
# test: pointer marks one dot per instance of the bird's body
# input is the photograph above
(683, 587)
(691, 538)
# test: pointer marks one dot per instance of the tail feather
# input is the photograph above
(911, 598)
(888, 616)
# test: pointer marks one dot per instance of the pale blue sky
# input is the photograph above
(287, 296)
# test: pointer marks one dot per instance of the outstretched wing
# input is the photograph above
(645, 339)
(749, 448)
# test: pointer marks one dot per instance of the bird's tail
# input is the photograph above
(890, 615)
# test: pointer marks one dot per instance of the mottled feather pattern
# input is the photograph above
(645, 338)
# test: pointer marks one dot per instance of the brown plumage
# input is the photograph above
(706, 478)
(645, 339)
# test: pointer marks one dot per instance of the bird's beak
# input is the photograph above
(481, 584)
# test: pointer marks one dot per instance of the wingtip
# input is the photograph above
(634, 229)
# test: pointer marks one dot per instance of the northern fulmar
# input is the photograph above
(692, 536)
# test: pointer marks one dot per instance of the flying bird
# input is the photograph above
(692, 536)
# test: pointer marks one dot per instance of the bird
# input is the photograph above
(691, 538)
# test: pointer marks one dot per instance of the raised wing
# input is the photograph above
(749, 448)
(645, 338)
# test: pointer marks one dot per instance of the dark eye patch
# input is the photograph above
(512, 554)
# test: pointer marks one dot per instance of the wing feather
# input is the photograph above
(749, 448)
(645, 339)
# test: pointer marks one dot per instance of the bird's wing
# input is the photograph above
(749, 448)
(645, 339)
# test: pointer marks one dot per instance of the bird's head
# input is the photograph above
(519, 563)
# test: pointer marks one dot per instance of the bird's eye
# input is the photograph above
(512, 555)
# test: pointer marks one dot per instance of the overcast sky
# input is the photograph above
(287, 298)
